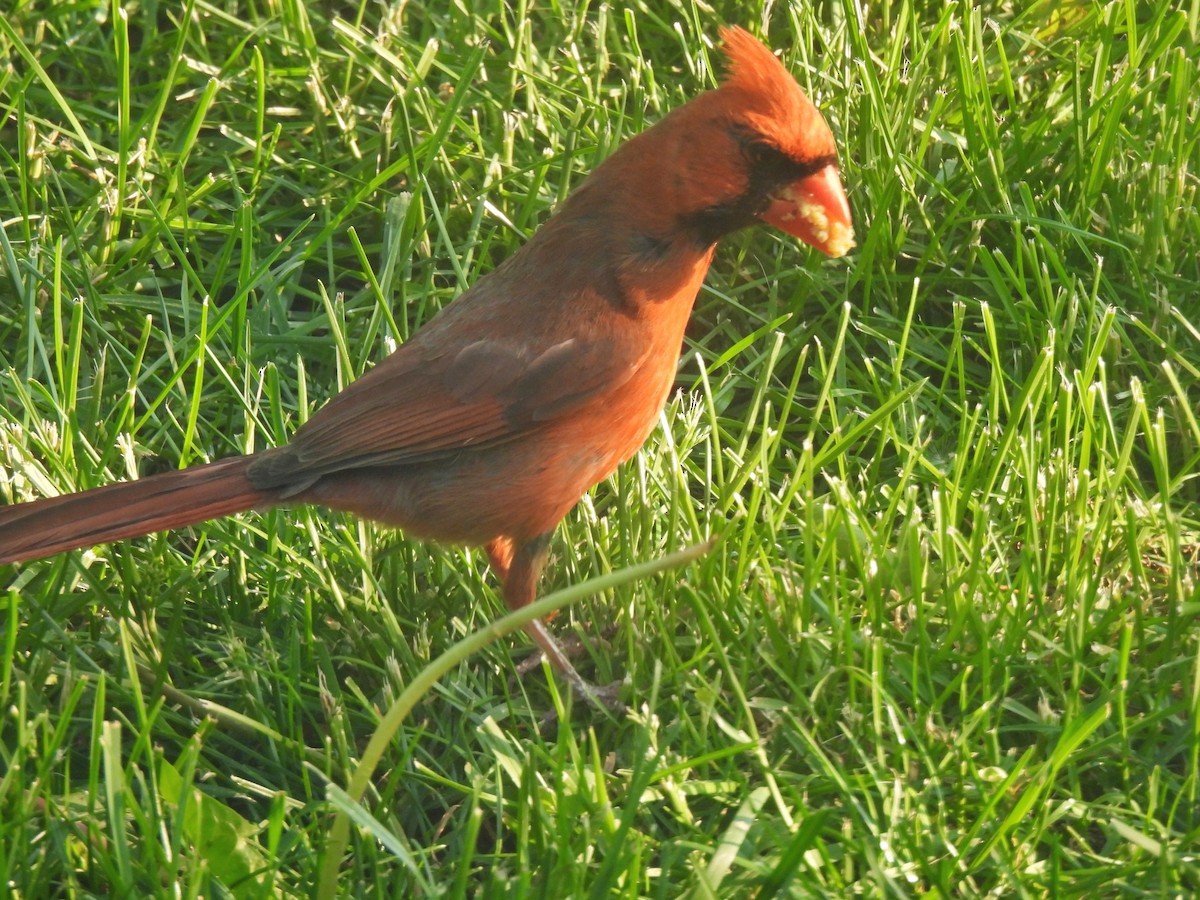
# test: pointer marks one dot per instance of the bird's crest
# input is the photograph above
(752, 66)
(770, 98)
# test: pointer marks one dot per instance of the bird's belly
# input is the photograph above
(520, 488)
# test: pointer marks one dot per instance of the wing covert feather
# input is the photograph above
(416, 405)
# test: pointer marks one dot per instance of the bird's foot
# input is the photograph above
(603, 697)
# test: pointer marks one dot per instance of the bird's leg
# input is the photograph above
(500, 554)
(519, 566)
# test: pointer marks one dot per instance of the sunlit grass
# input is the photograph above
(946, 643)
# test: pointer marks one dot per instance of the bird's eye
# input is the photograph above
(768, 161)
(760, 150)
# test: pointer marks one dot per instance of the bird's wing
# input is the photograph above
(419, 405)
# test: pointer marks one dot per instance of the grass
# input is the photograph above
(947, 643)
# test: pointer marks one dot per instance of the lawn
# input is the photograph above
(946, 643)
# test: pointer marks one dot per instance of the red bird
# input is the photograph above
(491, 422)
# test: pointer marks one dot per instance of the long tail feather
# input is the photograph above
(127, 509)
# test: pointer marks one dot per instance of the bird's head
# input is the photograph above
(786, 149)
(754, 150)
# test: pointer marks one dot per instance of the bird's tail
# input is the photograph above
(128, 509)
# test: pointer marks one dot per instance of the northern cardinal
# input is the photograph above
(490, 423)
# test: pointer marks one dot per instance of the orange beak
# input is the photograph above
(814, 209)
